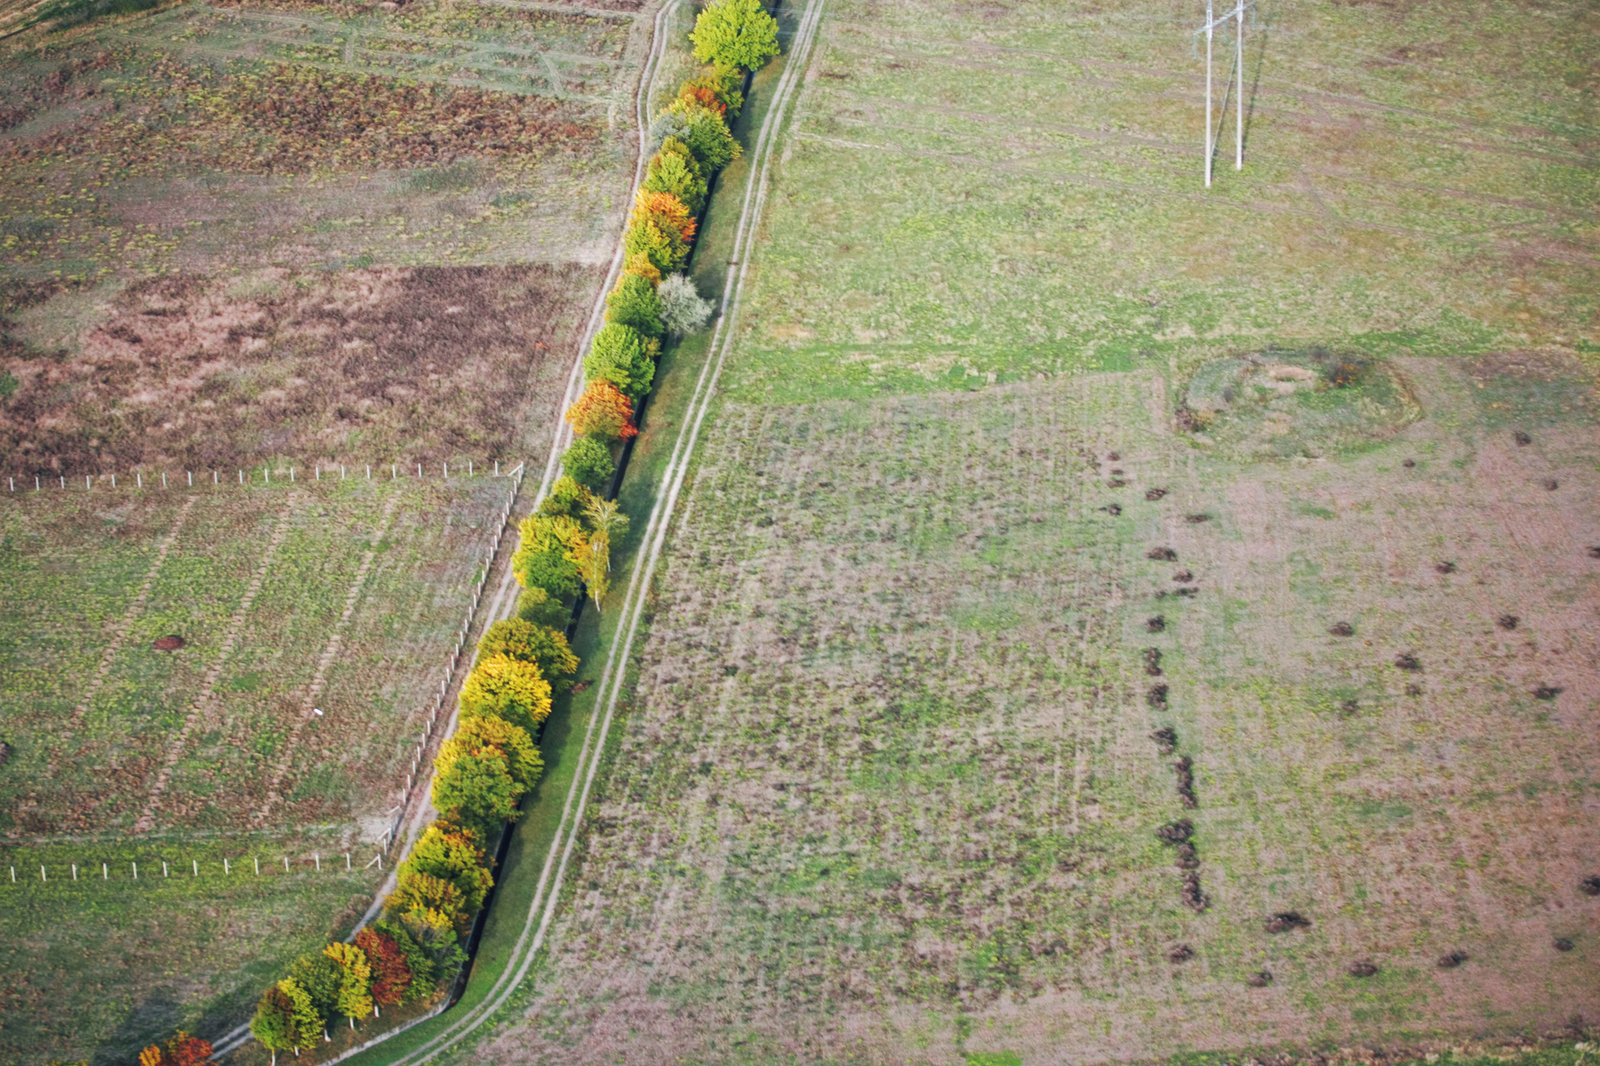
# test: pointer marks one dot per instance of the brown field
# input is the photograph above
(889, 789)
(413, 364)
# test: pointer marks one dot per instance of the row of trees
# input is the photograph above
(653, 297)
(480, 776)
(492, 760)
(568, 540)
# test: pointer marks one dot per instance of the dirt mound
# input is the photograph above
(1284, 921)
(170, 642)
(1362, 968)
(1181, 953)
(1176, 832)
(1280, 404)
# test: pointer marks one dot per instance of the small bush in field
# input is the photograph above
(588, 462)
(682, 309)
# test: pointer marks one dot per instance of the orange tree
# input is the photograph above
(602, 412)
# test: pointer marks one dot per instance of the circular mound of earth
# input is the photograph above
(1284, 404)
(171, 642)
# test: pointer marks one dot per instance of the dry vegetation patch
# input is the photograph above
(414, 365)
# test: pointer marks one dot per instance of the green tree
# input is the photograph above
(543, 646)
(539, 607)
(286, 1018)
(634, 304)
(507, 688)
(320, 977)
(566, 498)
(623, 357)
(664, 247)
(422, 963)
(355, 984)
(540, 559)
(497, 734)
(588, 463)
(709, 140)
(479, 790)
(677, 174)
(739, 33)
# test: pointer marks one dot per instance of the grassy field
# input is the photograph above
(1019, 414)
(246, 237)
(343, 596)
(890, 789)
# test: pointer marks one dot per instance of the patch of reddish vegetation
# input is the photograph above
(171, 642)
(418, 365)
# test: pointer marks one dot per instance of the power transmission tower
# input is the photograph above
(1209, 29)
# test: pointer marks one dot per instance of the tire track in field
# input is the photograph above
(329, 654)
(548, 891)
(202, 702)
(120, 634)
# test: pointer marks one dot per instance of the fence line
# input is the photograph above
(454, 664)
(130, 870)
(59, 482)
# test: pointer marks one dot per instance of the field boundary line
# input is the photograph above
(335, 642)
(129, 617)
(591, 755)
(241, 614)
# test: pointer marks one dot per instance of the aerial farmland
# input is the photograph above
(1066, 611)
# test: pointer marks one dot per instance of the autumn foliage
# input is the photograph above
(181, 1050)
(602, 412)
(391, 977)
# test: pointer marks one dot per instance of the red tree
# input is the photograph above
(390, 974)
(181, 1050)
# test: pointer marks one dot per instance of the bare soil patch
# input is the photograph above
(414, 365)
